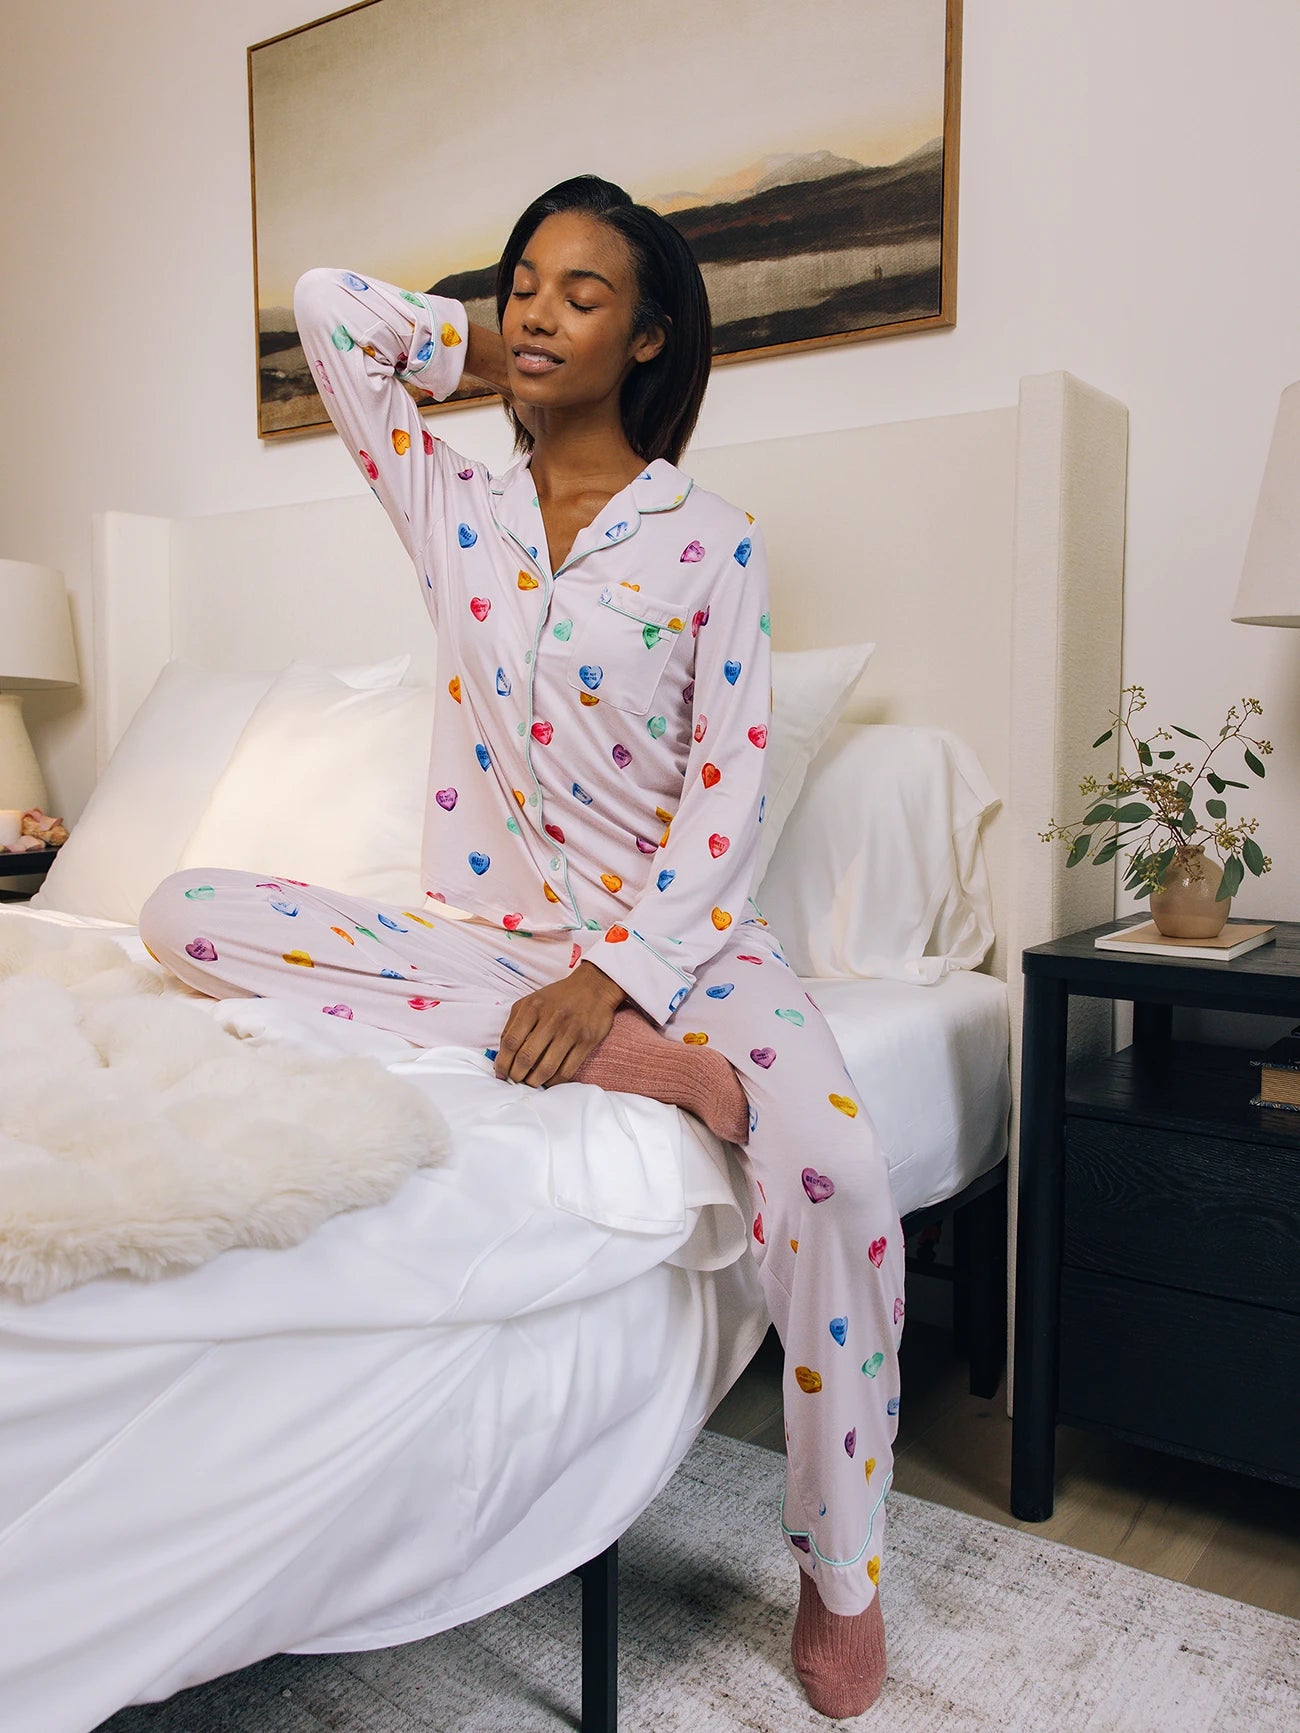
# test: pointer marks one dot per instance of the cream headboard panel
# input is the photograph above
(983, 552)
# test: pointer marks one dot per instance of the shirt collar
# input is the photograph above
(660, 486)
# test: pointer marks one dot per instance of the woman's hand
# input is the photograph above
(550, 1033)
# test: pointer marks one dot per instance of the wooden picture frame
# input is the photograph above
(364, 121)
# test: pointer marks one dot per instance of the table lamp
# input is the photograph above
(36, 654)
(1269, 591)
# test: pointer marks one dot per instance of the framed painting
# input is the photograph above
(809, 158)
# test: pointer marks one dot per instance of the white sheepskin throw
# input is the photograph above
(138, 1136)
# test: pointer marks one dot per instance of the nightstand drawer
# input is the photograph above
(1209, 1214)
(1208, 1377)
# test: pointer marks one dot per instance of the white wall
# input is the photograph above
(1128, 189)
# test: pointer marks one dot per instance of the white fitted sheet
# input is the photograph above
(427, 1408)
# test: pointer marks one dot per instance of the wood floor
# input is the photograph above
(1228, 1533)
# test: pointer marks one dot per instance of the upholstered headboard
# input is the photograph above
(983, 552)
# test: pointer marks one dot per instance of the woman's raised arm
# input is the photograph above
(362, 337)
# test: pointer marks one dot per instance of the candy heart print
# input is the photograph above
(876, 1251)
(817, 1185)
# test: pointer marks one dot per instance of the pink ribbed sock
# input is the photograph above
(840, 1661)
(640, 1059)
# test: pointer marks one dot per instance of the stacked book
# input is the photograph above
(1146, 940)
(1279, 1075)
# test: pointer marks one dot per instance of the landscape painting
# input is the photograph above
(809, 157)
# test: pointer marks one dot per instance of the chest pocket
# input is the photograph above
(621, 650)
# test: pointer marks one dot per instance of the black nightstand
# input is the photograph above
(22, 875)
(1158, 1261)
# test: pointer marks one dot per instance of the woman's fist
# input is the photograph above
(550, 1033)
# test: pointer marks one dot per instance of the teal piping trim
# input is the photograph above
(840, 1563)
(659, 625)
(689, 979)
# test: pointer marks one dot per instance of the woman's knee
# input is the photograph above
(171, 905)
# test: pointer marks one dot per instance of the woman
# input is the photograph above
(597, 784)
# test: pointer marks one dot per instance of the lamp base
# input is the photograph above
(21, 783)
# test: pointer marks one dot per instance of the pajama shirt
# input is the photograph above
(597, 784)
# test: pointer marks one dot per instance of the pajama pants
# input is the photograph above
(825, 1232)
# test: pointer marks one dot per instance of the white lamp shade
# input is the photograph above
(1269, 592)
(36, 649)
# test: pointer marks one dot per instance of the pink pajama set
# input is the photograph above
(596, 789)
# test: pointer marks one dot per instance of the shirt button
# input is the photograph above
(532, 800)
(528, 656)
(519, 727)
(556, 863)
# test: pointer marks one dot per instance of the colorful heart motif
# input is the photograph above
(758, 1230)
(765, 624)
(665, 878)
(731, 672)
(677, 999)
(817, 1185)
(808, 1381)
(465, 474)
(368, 933)
(543, 733)
(368, 464)
(392, 925)
(723, 991)
(284, 908)
(526, 581)
(701, 728)
(792, 1016)
(898, 1309)
(466, 536)
(480, 607)
(873, 1569)
(580, 793)
(721, 919)
(688, 692)
(611, 881)
(764, 1056)
(401, 441)
(512, 921)
(710, 775)
(419, 919)
(876, 1251)
(453, 686)
(446, 798)
(622, 757)
(657, 726)
(588, 698)
(299, 957)
(479, 862)
(692, 553)
(615, 935)
(481, 753)
(513, 828)
(591, 674)
(203, 893)
(851, 1441)
(839, 1328)
(869, 1467)
(645, 846)
(696, 1038)
(744, 957)
(202, 950)
(802, 1542)
(449, 334)
(844, 1104)
(347, 936)
(338, 1011)
(891, 1407)
(554, 832)
(503, 684)
(758, 735)
(420, 1003)
(794, 1245)
(873, 1365)
(743, 551)
(718, 845)
(562, 630)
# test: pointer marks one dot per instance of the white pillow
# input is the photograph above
(155, 787)
(881, 871)
(809, 690)
(328, 785)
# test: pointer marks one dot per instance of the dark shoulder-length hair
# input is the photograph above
(660, 398)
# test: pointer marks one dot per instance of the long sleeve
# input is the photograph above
(703, 875)
(361, 337)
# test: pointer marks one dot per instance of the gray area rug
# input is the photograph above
(988, 1628)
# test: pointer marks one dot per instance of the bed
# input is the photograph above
(353, 1443)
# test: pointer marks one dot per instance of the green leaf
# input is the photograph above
(1215, 781)
(1217, 808)
(1188, 822)
(1253, 855)
(1167, 753)
(1252, 763)
(1103, 738)
(1078, 848)
(1106, 852)
(1144, 752)
(1135, 811)
(1233, 873)
(1099, 813)
(1228, 782)
(1189, 734)
(1184, 792)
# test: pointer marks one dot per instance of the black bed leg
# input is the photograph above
(980, 1230)
(599, 1578)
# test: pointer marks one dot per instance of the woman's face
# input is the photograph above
(568, 320)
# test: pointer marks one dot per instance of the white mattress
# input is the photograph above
(427, 1408)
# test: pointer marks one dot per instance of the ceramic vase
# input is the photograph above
(1184, 907)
